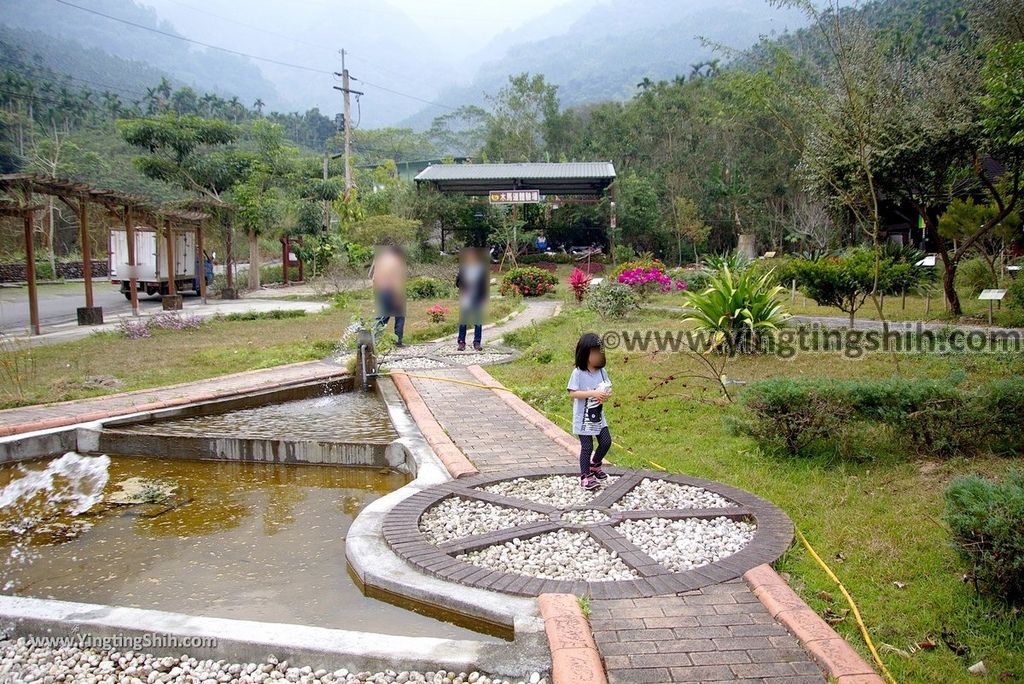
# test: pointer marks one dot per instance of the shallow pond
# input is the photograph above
(248, 541)
(344, 417)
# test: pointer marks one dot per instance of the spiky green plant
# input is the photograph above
(737, 310)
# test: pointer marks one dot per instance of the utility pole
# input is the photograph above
(346, 91)
(327, 203)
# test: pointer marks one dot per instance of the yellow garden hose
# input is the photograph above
(853, 607)
(810, 549)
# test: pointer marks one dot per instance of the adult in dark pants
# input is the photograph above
(388, 277)
(472, 282)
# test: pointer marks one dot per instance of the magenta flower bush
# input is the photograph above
(650, 280)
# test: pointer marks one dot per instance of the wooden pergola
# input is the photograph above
(21, 188)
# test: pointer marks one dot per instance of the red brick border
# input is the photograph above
(452, 457)
(535, 417)
(73, 419)
(828, 649)
(574, 655)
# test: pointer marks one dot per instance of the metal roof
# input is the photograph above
(569, 178)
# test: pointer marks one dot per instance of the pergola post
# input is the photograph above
(302, 265)
(30, 268)
(90, 314)
(202, 261)
(172, 300)
(133, 279)
(284, 260)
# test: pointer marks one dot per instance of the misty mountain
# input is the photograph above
(384, 49)
(611, 47)
(75, 42)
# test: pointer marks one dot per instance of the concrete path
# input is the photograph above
(69, 330)
(837, 322)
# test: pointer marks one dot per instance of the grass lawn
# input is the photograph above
(105, 363)
(876, 521)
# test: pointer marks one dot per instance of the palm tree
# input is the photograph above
(258, 105)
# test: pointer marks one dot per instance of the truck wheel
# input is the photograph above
(127, 295)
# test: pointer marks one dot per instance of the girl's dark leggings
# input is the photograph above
(604, 443)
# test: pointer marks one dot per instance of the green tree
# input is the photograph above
(687, 225)
(520, 112)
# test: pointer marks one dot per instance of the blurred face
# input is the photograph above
(470, 256)
(596, 359)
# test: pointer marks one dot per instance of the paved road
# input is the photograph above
(57, 303)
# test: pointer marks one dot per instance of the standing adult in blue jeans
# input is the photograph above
(472, 282)
(388, 277)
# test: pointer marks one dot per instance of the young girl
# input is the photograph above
(589, 388)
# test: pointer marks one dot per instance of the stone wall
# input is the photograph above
(15, 272)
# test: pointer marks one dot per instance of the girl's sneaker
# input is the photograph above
(598, 473)
(589, 482)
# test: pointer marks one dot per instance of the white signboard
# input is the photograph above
(927, 261)
(514, 196)
(992, 294)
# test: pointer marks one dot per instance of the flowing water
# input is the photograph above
(235, 540)
(344, 417)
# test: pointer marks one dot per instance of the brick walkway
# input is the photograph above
(721, 633)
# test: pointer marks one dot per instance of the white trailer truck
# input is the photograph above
(151, 261)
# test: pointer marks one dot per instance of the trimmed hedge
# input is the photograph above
(985, 519)
(934, 417)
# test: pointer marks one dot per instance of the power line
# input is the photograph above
(246, 54)
(196, 42)
(411, 97)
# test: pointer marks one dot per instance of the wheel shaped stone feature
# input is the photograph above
(643, 533)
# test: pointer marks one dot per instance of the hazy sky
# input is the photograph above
(481, 19)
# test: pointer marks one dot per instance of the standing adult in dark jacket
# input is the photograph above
(472, 281)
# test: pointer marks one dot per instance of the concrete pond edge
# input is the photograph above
(371, 561)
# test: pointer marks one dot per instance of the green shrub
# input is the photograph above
(792, 416)
(613, 300)
(934, 417)
(1015, 294)
(735, 261)
(1003, 401)
(737, 310)
(426, 287)
(272, 315)
(528, 281)
(623, 253)
(985, 519)
(974, 275)
(696, 279)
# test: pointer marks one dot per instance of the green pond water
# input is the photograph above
(233, 540)
(342, 417)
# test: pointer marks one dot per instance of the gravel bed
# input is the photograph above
(23, 662)
(687, 543)
(654, 495)
(456, 517)
(560, 491)
(561, 555)
(482, 358)
(584, 517)
(412, 362)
